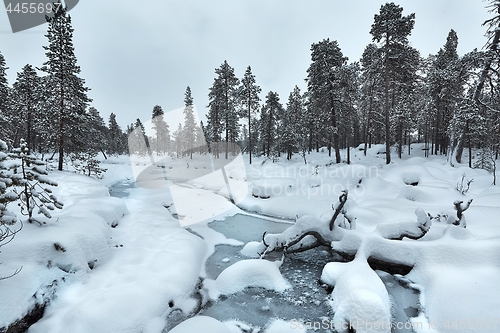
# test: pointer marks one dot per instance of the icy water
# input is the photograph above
(120, 190)
(306, 301)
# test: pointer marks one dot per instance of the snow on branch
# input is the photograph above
(309, 232)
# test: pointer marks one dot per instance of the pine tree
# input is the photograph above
(250, 102)
(162, 130)
(34, 192)
(5, 126)
(295, 133)
(269, 118)
(200, 140)
(322, 83)
(189, 123)
(349, 128)
(178, 141)
(27, 103)
(96, 131)
(445, 81)
(137, 140)
(391, 29)
(65, 91)
(484, 95)
(223, 116)
(371, 95)
(116, 138)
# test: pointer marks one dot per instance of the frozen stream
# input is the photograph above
(306, 301)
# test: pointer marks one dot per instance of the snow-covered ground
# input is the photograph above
(105, 264)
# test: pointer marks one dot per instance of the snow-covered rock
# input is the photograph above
(359, 297)
(251, 273)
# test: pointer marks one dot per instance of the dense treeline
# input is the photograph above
(392, 95)
(48, 107)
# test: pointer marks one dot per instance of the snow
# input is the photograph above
(82, 235)
(249, 273)
(253, 249)
(113, 265)
(359, 296)
(210, 325)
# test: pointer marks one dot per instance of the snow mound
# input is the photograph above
(109, 208)
(251, 273)
(253, 249)
(204, 323)
(359, 297)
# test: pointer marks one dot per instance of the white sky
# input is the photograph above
(136, 54)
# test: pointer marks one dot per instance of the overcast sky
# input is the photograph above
(136, 54)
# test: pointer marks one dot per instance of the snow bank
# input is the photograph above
(65, 249)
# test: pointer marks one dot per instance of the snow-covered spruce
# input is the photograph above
(35, 197)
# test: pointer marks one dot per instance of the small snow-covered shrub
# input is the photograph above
(463, 185)
(32, 175)
(87, 164)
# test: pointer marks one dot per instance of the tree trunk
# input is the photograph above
(386, 106)
(249, 131)
(409, 143)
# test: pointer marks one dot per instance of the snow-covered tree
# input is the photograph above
(7, 179)
(35, 196)
(322, 84)
(445, 79)
(200, 140)
(223, 113)
(117, 140)
(65, 93)
(7, 182)
(250, 103)
(391, 29)
(295, 132)
(178, 141)
(4, 99)
(162, 140)
(269, 118)
(137, 140)
(189, 123)
(349, 124)
(27, 106)
(371, 96)
(87, 164)
(97, 132)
